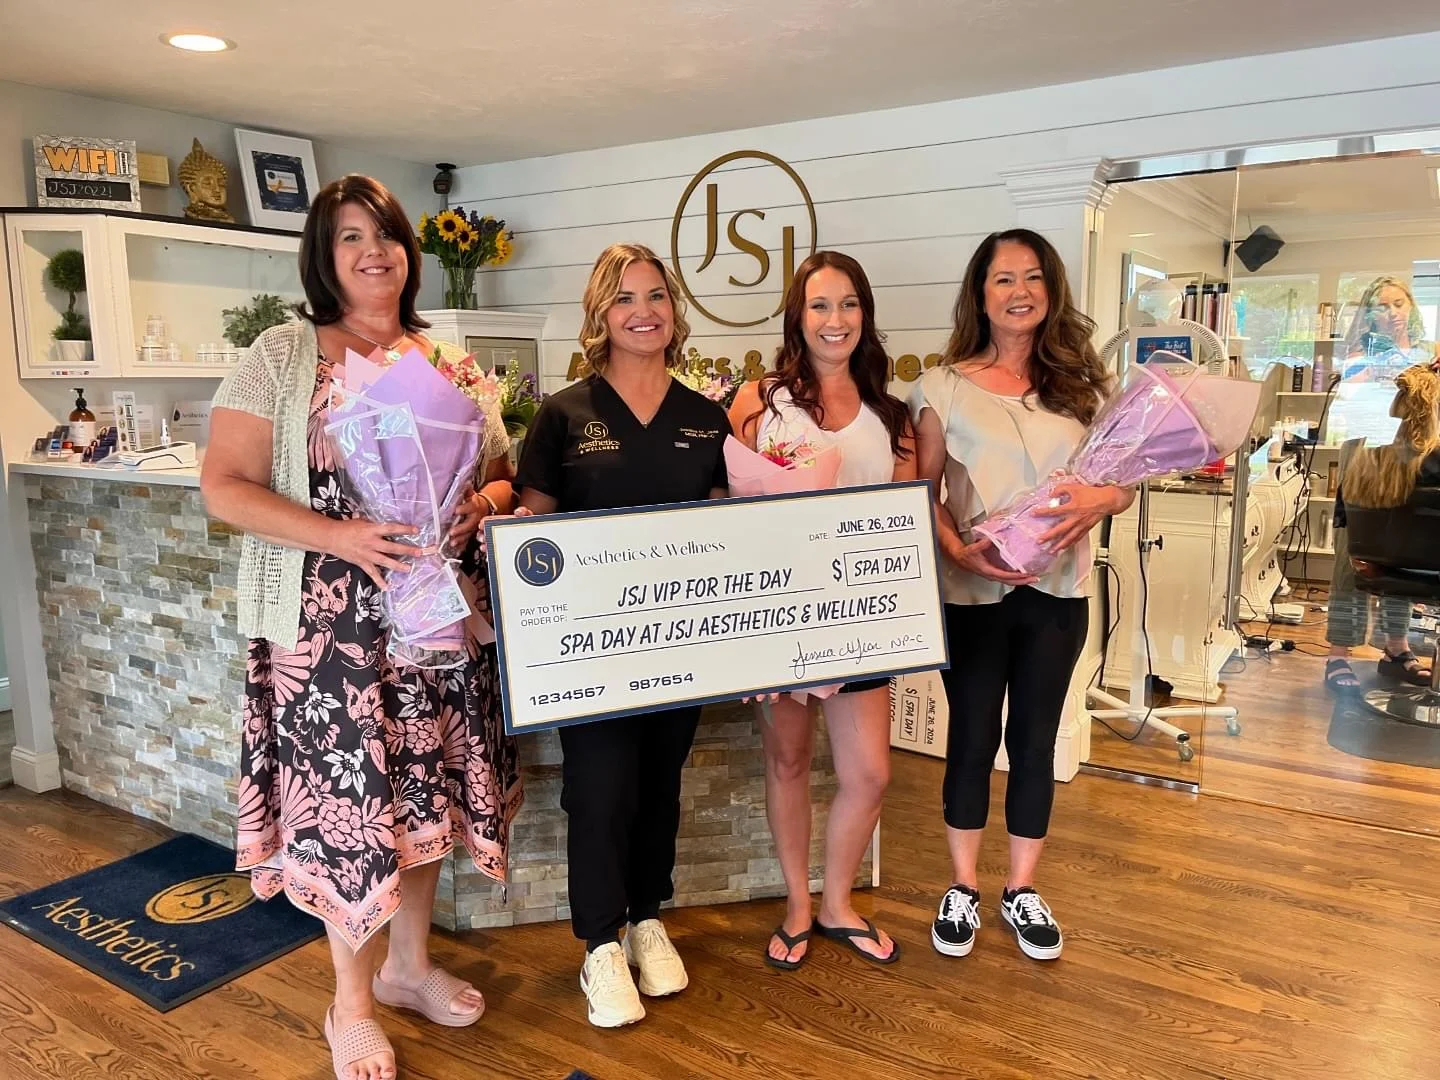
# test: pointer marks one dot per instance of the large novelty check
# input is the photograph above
(616, 612)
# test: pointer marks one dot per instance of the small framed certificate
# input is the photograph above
(610, 613)
(279, 178)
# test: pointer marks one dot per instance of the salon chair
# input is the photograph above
(1396, 552)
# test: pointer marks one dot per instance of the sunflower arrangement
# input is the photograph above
(463, 243)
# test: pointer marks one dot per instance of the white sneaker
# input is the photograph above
(609, 989)
(648, 947)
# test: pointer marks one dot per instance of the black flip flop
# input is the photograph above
(848, 934)
(789, 942)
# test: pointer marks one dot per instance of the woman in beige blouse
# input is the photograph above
(1019, 383)
(357, 776)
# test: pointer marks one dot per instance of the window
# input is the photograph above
(1277, 314)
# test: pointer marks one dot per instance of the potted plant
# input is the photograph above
(66, 272)
(244, 324)
(463, 245)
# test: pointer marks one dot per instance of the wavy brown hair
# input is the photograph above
(869, 366)
(600, 296)
(324, 299)
(1066, 373)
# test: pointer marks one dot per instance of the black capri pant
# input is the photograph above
(1027, 644)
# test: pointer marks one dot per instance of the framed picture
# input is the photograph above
(279, 176)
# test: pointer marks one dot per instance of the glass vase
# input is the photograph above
(460, 288)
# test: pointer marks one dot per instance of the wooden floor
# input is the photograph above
(1206, 938)
(1281, 756)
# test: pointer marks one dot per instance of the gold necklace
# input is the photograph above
(1022, 379)
(392, 352)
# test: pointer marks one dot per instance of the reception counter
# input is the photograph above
(136, 594)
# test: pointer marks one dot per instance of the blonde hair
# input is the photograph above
(600, 296)
(1384, 476)
(1363, 337)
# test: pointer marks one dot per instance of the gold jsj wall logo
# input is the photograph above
(197, 900)
(750, 235)
(735, 261)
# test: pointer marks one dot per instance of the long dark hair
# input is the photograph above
(1065, 370)
(324, 299)
(869, 366)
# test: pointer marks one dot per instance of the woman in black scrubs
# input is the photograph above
(625, 435)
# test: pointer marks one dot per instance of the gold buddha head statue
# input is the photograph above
(204, 178)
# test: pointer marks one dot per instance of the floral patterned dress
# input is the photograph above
(353, 770)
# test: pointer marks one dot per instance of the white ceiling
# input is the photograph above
(1390, 195)
(518, 78)
(1400, 185)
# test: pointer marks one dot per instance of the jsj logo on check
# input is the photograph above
(539, 562)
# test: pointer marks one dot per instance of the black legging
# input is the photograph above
(1029, 643)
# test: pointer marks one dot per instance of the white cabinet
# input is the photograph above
(187, 275)
(497, 339)
(31, 241)
(1181, 597)
(137, 267)
(1183, 591)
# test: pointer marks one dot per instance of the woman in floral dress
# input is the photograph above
(357, 776)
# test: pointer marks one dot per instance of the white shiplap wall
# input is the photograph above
(913, 241)
(909, 192)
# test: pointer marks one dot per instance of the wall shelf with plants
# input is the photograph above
(162, 298)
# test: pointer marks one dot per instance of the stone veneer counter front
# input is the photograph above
(137, 606)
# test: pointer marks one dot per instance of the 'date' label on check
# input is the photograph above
(617, 612)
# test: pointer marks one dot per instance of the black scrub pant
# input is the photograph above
(1027, 644)
(620, 788)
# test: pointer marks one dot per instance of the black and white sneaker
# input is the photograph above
(953, 932)
(1036, 931)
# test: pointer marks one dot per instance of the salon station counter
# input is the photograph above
(135, 590)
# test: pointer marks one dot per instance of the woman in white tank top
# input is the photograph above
(828, 388)
(865, 454)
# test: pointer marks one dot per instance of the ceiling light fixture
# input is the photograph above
(1140, 235)
(197, 42)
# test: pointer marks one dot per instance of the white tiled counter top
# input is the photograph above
(188, 477)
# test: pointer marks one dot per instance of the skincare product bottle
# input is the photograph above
(82, 421)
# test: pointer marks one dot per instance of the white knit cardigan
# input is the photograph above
(276, 381)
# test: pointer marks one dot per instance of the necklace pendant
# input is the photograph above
(393, 355)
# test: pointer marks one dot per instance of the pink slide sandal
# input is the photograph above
(431, 1000)
(362, 1039)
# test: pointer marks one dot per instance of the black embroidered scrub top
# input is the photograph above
(587, 450)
